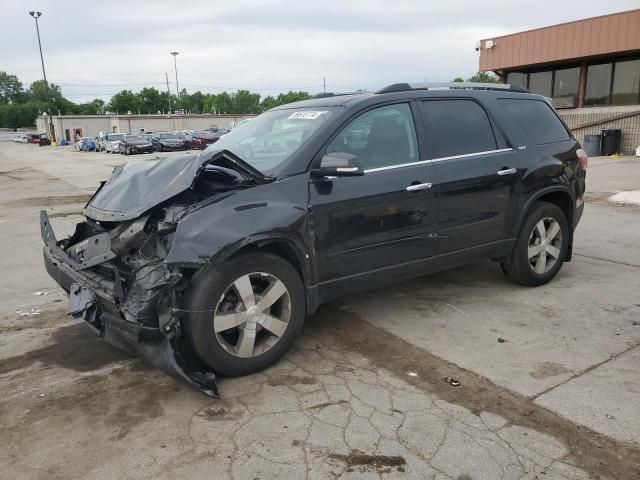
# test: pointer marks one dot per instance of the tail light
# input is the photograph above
(583, 160)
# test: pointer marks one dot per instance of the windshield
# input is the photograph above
(116, 137)
(269, 139)
(133, 138)
(171, 136)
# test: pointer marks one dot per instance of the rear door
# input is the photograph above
(475, 170)
(385, 217)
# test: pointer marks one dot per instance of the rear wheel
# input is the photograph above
(245, 313)
(541, 246)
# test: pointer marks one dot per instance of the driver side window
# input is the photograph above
(381, 137)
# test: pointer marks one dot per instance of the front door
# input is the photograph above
(475, 171)
(383, 218)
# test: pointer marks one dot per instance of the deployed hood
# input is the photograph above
(136, 187)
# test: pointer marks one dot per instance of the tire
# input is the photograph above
(213, 289)
(535, 261)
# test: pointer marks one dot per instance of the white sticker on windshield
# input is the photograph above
(307, 114)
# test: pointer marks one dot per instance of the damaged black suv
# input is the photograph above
(210, 262)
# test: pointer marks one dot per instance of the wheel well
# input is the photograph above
(562, 200)
(278, 247)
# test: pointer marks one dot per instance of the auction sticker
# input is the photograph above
(307, 114)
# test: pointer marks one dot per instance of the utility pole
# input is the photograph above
(175, 65)
(166, 75)
(35, 16)
(324, 85)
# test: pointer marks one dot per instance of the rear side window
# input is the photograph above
(537, 119)
(456, 127)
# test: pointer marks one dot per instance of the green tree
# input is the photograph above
(94, 107)
(123, 102)
(483, 77)
(282, 99)
(458, 79)
(11, 89)
(246, 102)
(150, 100)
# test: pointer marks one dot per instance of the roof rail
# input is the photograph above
(403, 87)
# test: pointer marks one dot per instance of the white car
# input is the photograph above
(109, 143)
(21, 139)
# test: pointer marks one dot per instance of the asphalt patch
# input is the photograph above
(280, 380)
(358, 459)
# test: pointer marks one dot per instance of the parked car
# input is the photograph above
(85, 144)
(20, 139)
(111, 142)
(34, 137)
(131, 144)
(166, 141)
(202, 140)
(222, 254)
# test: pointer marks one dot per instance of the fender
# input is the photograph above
(216, 231)
(544, 191)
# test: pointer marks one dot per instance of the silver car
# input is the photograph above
(109, 142)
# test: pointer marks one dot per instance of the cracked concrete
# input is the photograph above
(302, 429)
(341, 404)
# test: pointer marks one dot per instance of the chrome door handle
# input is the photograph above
(418, 186)
(507, 171)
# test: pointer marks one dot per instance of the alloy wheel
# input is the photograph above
(545, 245)
(252, 314)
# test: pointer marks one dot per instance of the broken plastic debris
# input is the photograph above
(412, 374)
(41, 395)
(452, 381)
(28, 313)
(41, 293)
(610, 417)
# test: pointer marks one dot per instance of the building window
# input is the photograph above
(517, 78)
(626, 83)
(566, 82)
(541, 82)
(598, 84)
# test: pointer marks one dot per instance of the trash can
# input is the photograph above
(592, 145)
(611, 140)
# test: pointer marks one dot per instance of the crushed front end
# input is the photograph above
(115, 265)
(119, 283)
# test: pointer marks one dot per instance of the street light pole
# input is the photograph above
(35, 16)
(175, 65)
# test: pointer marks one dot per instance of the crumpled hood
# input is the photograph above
(136, 187)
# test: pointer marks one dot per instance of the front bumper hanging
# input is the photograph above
(97, 300)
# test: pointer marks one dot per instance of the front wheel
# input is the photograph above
(245, 313)
(541, 246)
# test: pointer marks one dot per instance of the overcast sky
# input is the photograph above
(98, 48)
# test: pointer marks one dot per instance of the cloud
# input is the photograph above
(96, 49)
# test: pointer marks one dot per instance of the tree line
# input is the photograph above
(19, 107)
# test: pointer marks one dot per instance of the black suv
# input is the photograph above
(213, 260)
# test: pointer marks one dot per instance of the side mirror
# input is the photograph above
(338, 164)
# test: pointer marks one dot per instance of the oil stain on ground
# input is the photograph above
(50, 201)
(549, 369)
(74, 347)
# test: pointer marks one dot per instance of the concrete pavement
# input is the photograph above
(361, 395)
